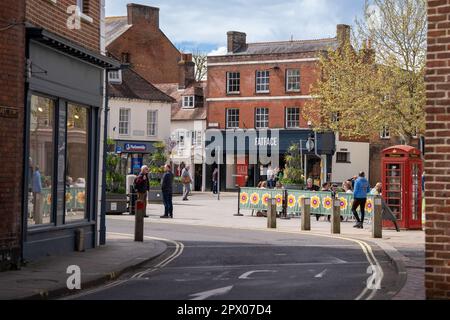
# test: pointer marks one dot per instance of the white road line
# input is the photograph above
(320, 275)
(246, 275)
(329, 263)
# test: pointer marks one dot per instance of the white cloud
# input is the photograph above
(219, 52)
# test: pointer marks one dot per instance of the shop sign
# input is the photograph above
(135, 147)
(262, 142)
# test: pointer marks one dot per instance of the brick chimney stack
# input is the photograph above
(139, 14)
(186, 71)
(236, 41)
(343, 34)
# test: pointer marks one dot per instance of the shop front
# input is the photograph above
(247, 155)
(64, 105)
(134, 155)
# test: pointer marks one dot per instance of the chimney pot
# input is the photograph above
(343, 34)
(138, 14)
(236, 41)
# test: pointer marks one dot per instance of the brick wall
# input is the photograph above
(217, 84)
(437, 159)
(53, 17)
(12, 66)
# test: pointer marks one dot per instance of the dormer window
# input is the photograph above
(188, 102)
(115, 77)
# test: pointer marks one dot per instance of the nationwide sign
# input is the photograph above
(135, 147)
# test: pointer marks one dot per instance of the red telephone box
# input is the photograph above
(402, 168)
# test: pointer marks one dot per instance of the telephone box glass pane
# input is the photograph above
(415, 191)
(394, 188)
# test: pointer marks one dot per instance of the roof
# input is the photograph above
(115, 27)
(288, 46)
(183, 114)
(133, 86)
(402, 149)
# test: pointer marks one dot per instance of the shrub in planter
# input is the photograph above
(293, 176)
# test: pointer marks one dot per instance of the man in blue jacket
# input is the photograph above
(362, 187)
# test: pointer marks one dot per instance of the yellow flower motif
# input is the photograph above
(81, 197)
(279, 198)
(344, 203)
(68, 197)
(315, 202)
(254, 199)
(244, 198)
(327, 203)
(291, 201)
(369, 205)
(265, 199)
(49, 199)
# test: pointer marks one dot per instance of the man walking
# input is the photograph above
(362, 187)
(215, 178)
(166, 187)
(142, 186)
(186, 179)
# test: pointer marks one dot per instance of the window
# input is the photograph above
(152, 123)
(83, 5)
(198, 138)
(232, 118)
(336, 117)
(41, 159)
(115, 76)
(293, 118)
(343, 157)
(77, 164)
(124, 122)
(261, 118)
(385, 134)
(125, 57)
(233, 82)
(293, 80)
(262, 81)
(188, 102)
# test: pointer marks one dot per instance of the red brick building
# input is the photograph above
(437, 158)
(51, 102)
(265, 86)
(12, 40)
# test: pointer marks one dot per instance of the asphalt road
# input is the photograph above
(228, 264)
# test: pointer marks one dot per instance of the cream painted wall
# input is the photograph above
(359, 160)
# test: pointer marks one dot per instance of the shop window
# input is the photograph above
(41, 159)
(77, 162)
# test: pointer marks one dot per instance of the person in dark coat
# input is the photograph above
(166, 187)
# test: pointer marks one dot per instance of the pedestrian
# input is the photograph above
(347, 186)
(186, 180)
(166, 187)
(310, 186)
(270, 177)
(376, 191)
(215, 178)
(360, 198)
(142, 186)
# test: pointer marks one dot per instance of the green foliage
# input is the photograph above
(157, 161)
(115, 181)
(293, 174)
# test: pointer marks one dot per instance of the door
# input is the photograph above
(198, 177)
(414, 220)
(394, 194)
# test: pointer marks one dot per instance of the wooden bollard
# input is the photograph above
(336, 217)
(306, 214)
(139, 221)
(377, 223)
(272, 214)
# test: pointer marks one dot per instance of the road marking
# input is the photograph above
(178, 251)
(320, 275)
(247, 274)
(211, 293)
(246, 266)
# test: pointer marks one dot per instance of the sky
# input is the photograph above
(202, 24)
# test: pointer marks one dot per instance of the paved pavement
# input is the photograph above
(229, 264)
(47, 278)
(406, 248)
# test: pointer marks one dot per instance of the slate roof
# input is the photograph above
(179, 113)
(115, 27)
(295, 46)
(133, 86)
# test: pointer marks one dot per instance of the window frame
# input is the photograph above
(289, 78)
(155, 123)
(264, 77)
(236, 115)
(191, 104)
(347, 157)
(115, 80)
(236, 84)
(128, 122)
(383, 134)
(258, 117)
(287, 120)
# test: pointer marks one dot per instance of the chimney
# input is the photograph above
(369, 52)
(186, 71)
(139, 14)
(236, 41)
(343, 34)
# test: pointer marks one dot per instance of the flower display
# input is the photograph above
(315, 202)
(291, 201)
(344, 203)
(265, 199)
(69, 197)
(327, 203)
(244, 198)
(279, 199)
(369, 205)
(81, 197)
(254, 199)
(49, 199)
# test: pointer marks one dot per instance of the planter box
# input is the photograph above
(294, 186)
(177, 188)
(116, 203)
(155, 195)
